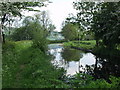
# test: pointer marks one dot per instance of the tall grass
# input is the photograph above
(25, 66)
(28, 67)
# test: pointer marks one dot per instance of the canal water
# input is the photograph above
(75, 61)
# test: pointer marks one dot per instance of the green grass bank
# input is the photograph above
(90, 46)
(81, 44)
(27, 67)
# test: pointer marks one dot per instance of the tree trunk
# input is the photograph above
(1, 35)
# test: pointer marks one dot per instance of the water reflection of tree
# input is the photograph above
(103, 68)
(71, 54)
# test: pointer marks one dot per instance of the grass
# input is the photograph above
(27, 67)
(82, 44)
(90, 45)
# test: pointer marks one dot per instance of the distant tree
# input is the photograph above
(30, 24)
(45, 21)
(103, 19)
(70, 31)
(86, 11)
(51, 28)
(14, 9)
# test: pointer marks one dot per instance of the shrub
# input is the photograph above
(8, 45)
(39, 40)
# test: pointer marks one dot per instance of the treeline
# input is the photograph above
(94, 20)
(30, 25)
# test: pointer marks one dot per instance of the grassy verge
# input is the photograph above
(90, 46)
(82, 44)
(27, 67)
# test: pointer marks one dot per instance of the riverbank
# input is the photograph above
(69, 58)
(82, 45)
(27, 67)
(89, 46)
(56, 41)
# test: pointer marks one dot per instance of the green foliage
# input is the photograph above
(102, 18)
(118, 46)
(30, 25)
(45, 22)
(106, 24)
(82, 44)
(14, 8)
(70, 31)
(32, 30)
(74, 28)
(105, 51)
(88, 35)
(8, 45)
(22, 33)
(85, 13)
(86, 81)
(28, 67)
(39, 40)
(9, 10)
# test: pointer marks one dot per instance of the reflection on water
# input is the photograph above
(70, 59)
(77, 61)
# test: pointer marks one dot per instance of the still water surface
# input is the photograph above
(74, 61)
(70, 59)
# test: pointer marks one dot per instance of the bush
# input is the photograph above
(39, 40)
(86, 81)
(8, 45)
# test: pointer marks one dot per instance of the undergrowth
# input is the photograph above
(27, 67)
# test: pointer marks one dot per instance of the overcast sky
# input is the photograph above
(58, 11)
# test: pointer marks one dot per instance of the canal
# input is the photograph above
(76, 61)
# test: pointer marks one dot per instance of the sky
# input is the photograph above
(58, 11)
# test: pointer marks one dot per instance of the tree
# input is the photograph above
(14, 9)
(45, 21)
(70, 31)
(51, 28)
(26, 31)
(86, 11)
(106, 24)
(102, 19)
